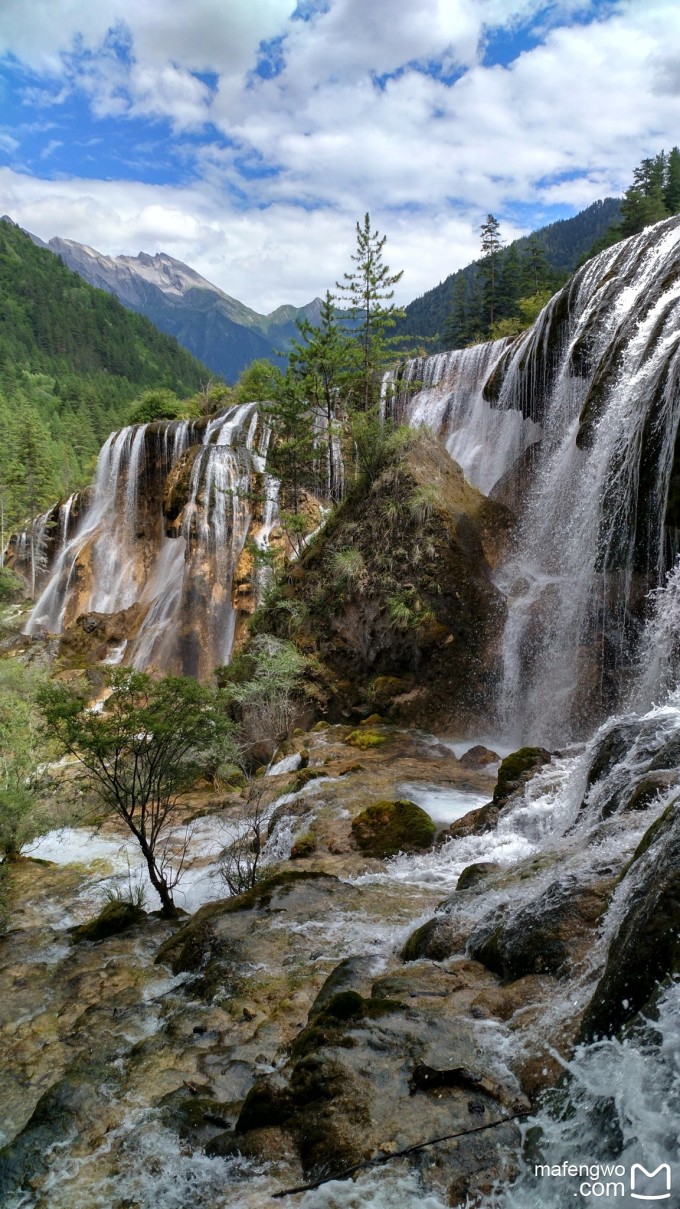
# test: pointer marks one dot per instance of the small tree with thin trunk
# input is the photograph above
(141, 753)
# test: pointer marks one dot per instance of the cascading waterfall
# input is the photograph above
(446, 393)
(123, 554)
(592, 390)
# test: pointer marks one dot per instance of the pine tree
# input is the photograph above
(457, 329)
(292, 445)
(367, 289)
(509, 284)
(536, 272)
(322, 361)
(491, 248)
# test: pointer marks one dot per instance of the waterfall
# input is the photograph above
(592, 390)
(446, 393)
(123, 553)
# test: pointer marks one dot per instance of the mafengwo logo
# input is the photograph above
(650, 1185)
(606, 1181)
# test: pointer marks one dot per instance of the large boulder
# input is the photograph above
(646, 947)
(545, 936)
(386, 828)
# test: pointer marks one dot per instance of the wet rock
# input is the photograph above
(427, 1078)
(610, 750)
(668, 756)
(475, 822)
(437, 939)
(68, 1106)
(544, 936)
(646, 948)
(649, 788)
(516, 769)
(218, 940)
(351, 973)
(389, 827)
(473, 875)
(115, 917)
(478, 757)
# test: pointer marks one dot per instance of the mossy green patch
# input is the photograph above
(388, 827)
(115, 917)
(364, 739)
(514, 768)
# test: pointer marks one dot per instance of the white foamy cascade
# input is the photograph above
(446, 393)
(120, 546)
(593, 390)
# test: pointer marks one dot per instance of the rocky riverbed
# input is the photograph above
(351, 1007)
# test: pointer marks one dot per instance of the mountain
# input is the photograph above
(71, 361)
(564, 244)
(218, 329)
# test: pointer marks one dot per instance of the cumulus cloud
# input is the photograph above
(388, 108)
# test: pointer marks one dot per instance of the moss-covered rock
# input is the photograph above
(115, 917)
(389, 827)
(304, 846)
(516, 769)
(365, 739)
(416, 636)
(472, 875)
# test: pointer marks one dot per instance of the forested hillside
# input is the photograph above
(453, 313)
(71, 361)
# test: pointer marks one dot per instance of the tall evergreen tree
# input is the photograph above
(368, 288)
(457, 329)
(322, 361)
(536, 271)
(509, 284)
(491, 248)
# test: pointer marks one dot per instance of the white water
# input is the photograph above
(183, 582)
(590, 541)
(484, 440)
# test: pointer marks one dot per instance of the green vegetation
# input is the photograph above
(367, 289)
(653, 196)
(24, 809)
(141, 753)
(72, 360)
(452, 312)
(265, 687)
(386, 828)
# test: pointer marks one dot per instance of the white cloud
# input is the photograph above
(562, 124)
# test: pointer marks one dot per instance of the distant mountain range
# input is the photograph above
(226, 335)
(219, 330)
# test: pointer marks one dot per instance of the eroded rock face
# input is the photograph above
(646, 947)
(545, 936)
(408, 621)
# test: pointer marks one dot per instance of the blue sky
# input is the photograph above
(245, 137)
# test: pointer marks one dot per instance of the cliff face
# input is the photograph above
(396, 595)
(149, 567)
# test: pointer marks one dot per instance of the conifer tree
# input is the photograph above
(491, 248)
(368, 288)
(457, 330)
(672, 183)
(322, 361)
(536, 271)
